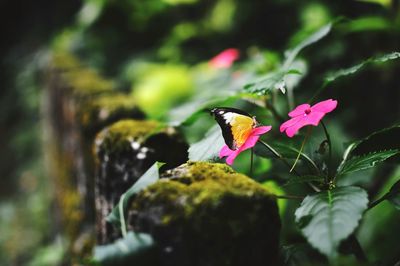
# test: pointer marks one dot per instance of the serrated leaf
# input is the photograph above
(276, 79)
(385, 139)
(271, 81)
(208, 147)
(148, 178)
(328, 217)
(134, 249)
(356, 68)
(304, 179)
(363, 162)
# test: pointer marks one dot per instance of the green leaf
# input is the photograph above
(328, 217)
(375, 148)
(356, 68)
(313, 38)
(395, 200)
(134, 249)
(363, 162)
(394, 195)
(370, 23)
(148, 178)
(304, 179)
(274, 80)
(385, 139)
(384, 3)
(287, 148)
(186, 114)
(208, 147)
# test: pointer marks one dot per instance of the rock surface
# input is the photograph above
(124, 151)
(77, 103)
(207, 214)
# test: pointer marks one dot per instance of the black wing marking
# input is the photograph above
(218, 113)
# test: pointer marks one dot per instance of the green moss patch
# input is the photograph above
(119, 136)
(206, 214)
(108, 107)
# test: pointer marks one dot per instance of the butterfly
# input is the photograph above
(236, 125)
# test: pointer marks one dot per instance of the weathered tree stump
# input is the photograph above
(125, 150)
(77, 104)
(206, 214)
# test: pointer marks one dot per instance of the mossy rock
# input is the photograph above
(64, 61)
(124, 151)
(105, 109)
(87, 82)
(79, 80)
(207, 214)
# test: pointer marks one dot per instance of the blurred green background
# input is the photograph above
(157, 50)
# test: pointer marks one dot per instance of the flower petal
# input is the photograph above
(290, 123)
(260, 130)
(232, 157)
(299, 110)
(225, 59)
(294, 128)
(225, 151)
(312, 119)
(325, 106)
(250, 142)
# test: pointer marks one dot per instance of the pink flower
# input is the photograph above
(249, 143)
(225, 59)
(305, 114)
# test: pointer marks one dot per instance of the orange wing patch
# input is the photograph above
(241, 127)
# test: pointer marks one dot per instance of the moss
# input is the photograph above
(119, 136)
(207, 214)
(124, 151)
(87, 82)
(66, 195)
(82, 81)
(64, 61)
(98, 112)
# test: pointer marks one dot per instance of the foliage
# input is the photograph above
(118, 214)
(326, 218)
(133, 248)
(208, 147)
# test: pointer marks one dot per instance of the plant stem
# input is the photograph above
(251, 162)
(328, 139)
(376, 202)
(279, 156)
(301, 148)
(357, 249)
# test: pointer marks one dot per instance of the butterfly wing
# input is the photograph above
(235, 124)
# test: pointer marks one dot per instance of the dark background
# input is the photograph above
(125, 31)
